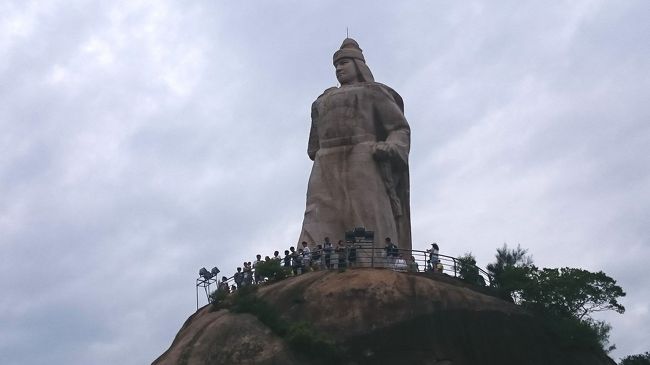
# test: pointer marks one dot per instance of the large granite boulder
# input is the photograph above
(376, 317)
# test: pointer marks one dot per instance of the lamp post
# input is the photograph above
(204, 280)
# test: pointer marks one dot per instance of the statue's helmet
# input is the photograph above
(350, 49)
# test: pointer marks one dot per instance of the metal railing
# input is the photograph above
(363, 255)
(353, 256)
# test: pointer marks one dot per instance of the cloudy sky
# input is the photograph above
(141, 140)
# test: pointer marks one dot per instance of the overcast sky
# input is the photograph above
(142, 140)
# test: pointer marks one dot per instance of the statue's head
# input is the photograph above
(350, 64)
(346, 71)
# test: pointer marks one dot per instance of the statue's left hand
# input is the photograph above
(381, 151)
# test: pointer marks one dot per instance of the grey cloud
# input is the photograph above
(144, 140)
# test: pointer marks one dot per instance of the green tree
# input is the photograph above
(640, 359)
(512, 271)
(573, 292)
(506, 257)
(566, 298)
(468, 271)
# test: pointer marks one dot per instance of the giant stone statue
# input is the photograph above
(359, 142)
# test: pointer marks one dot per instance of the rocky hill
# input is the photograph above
(369, 316)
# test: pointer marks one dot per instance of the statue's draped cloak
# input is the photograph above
(348, 186)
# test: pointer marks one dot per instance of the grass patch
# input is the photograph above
(301, 336)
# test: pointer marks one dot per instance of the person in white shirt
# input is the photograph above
(306, 255)
(433, 254)
(400, 264)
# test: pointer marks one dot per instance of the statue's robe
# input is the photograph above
(349, 187)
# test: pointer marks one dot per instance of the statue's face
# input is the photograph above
(346, 71)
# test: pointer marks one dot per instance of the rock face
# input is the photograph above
(376, 317)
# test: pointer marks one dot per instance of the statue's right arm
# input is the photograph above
(313, 144)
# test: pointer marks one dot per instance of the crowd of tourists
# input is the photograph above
(327, 256)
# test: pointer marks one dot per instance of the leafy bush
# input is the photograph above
(303, 338)
(579, 333)
(468, 270)
(300, 336)
(218, 297)
(245, 301)
(640, 359)
(272, 269)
